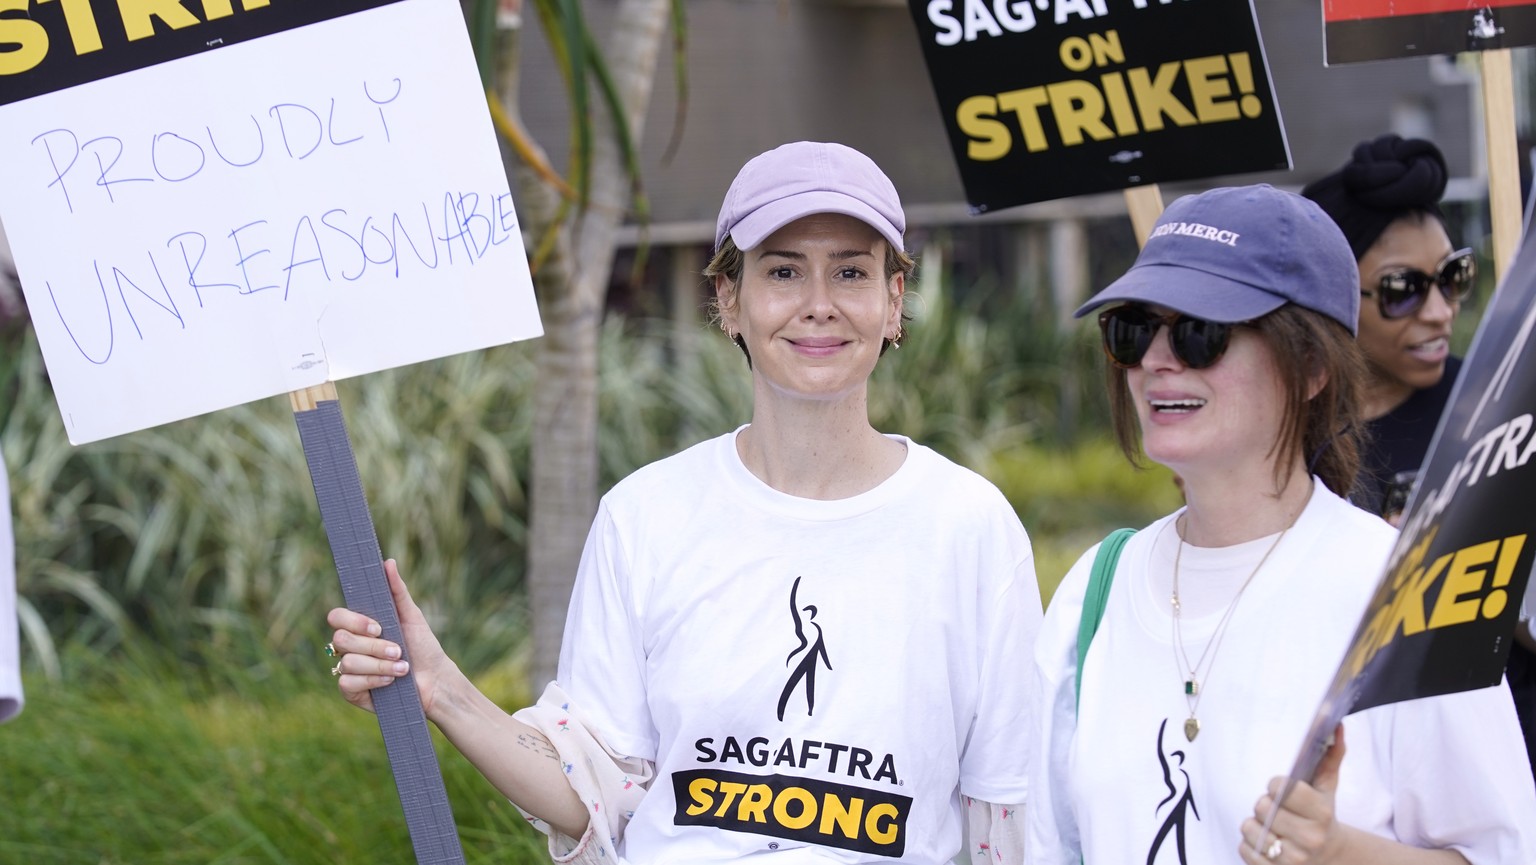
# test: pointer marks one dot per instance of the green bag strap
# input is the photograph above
(1099, 580)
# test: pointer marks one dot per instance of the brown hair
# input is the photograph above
(1327, 429)
(729, 262)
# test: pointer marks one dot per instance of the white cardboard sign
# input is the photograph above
(301, 207)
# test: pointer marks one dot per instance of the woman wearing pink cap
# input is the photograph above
(1168, 728)
(804, 638)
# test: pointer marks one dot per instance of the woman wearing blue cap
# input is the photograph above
(803, 638)
(1233, 362)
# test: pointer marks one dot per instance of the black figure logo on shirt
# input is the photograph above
(814, 653)
(1174, 823)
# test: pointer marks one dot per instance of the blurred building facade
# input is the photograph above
(763, 72)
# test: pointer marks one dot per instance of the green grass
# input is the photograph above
(142, 765)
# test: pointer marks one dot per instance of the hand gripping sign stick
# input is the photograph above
(360, 566)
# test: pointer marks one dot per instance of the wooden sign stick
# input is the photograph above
(365, 588)
(1145, 204)
(1503, 162)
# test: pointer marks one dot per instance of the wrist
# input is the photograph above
(1345, 844)
(451, 696)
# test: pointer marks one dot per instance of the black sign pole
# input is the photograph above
(365, 588)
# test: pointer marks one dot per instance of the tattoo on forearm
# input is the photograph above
(538, 746)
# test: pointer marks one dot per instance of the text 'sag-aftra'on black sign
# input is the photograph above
(1045, 99)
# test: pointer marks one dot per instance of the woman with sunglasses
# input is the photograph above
(1386, 200)
(1233, 363)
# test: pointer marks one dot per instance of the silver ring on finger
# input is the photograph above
(1275, 850)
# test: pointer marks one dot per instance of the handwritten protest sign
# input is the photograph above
(206, 209)
(1054, 98)
(201, 217)
(1359, 30)
(1442, 617)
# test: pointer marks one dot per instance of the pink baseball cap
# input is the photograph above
(805, 177)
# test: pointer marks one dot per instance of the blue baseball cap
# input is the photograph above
(1236, 253)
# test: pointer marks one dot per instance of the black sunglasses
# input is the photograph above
(1129, 330)
(1404, 292)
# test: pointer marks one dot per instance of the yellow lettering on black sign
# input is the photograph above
(1473, 584)
(25, 40)
(797, 809)
(1115, 104)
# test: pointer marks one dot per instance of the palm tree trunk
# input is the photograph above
(572, 285)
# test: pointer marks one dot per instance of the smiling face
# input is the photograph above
(1406, 354)
(1221, 419)
(814, 307)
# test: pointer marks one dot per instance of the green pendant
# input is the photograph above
(1191, 687)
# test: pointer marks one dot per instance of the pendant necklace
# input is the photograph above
(1191, 673)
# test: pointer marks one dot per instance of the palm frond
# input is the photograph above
(680, 75)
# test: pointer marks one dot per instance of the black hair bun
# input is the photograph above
(1396, 173)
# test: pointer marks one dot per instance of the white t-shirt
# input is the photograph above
(1117, 781)
(10, 654)
(815, 678)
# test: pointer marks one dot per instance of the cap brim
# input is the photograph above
(1189, 291)
(752, 230)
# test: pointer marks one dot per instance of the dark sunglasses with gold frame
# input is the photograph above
(1402, 293)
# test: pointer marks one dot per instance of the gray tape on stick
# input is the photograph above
(360, 565)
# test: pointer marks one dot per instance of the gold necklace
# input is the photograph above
(1192, 692)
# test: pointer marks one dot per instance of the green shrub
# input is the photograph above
(205, 533)
(1069, 499)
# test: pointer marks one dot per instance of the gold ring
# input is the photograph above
(1273, 851)
(336, 671)
(330, 650)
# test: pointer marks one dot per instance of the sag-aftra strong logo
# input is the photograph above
(811, 653)
(806, 799)
(797, 809)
